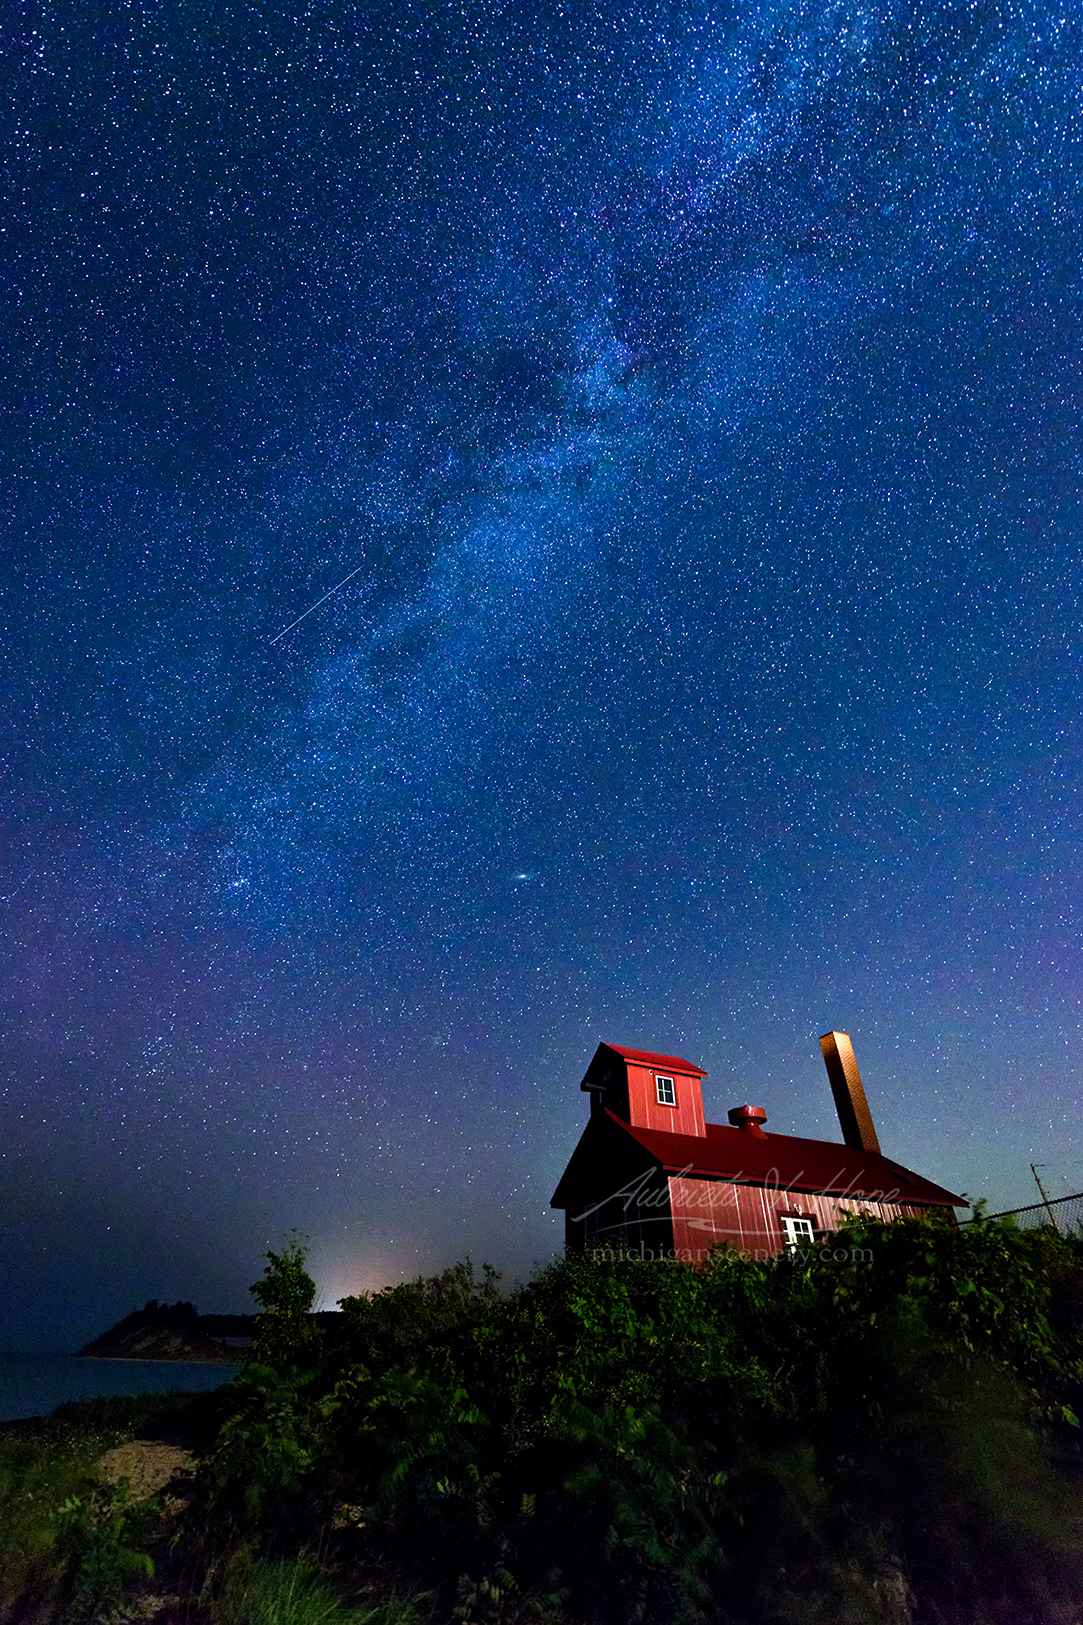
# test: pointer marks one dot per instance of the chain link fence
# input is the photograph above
(1065, 1213)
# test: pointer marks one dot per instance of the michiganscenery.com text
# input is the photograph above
(699, 1255)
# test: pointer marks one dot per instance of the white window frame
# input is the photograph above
(669, 1088)
(797, 1230)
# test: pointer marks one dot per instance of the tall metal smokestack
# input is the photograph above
(849, 1092)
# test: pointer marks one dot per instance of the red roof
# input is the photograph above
(644, 1057)
(787, 1163)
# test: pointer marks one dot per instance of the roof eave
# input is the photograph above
(927, 1194)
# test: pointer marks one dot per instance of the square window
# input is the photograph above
(667, 1095)
(798, 1232)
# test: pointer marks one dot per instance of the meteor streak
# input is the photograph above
(316, 605)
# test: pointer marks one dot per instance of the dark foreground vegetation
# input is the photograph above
(886, 1436)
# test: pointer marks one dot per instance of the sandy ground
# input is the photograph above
(147, 1464)
(150, 1467)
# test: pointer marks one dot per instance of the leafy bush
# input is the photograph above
(261, 1472)
(102, 1536)
(409, 1322)
(286, 1336)
(37, 1477)
(69, 1544)
(887, 1436)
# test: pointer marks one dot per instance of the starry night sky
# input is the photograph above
(691, 394)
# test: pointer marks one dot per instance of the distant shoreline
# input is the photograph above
(136, 1359)
(35, 1384)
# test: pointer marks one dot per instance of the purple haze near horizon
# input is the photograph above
(691, 395)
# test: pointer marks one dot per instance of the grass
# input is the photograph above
(48, 1464)
(295, 1593)
(38, 1475)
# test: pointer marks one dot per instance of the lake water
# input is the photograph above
(34, 1384)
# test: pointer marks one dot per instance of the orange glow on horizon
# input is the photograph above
(338, 1275)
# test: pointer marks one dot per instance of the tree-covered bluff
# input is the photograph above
(884, 1431)
(162, 1331)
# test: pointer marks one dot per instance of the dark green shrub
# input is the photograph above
(882, 1438)
(37, 1477)
(103, 1536)
(259, 1476)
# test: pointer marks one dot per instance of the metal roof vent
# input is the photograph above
(750, 1119)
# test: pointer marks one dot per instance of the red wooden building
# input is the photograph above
(650, 1176)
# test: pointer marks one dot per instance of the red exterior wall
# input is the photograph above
(686, 1117)
(614, 1194)
(707, 1213)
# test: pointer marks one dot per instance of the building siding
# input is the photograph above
(644, 1110)
(711, 1213)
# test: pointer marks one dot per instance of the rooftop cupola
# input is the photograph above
(645, 1090)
